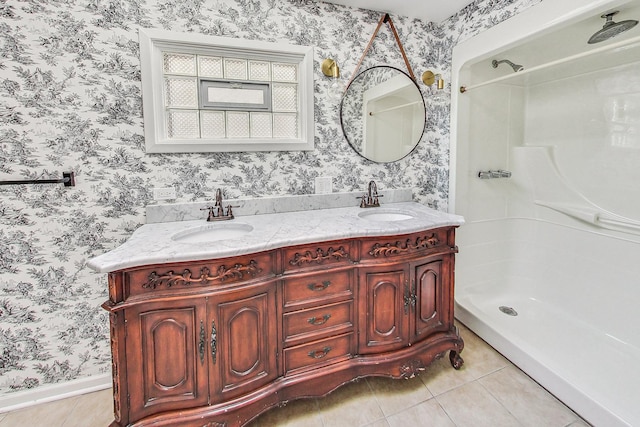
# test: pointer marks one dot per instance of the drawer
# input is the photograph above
(321, 352)
(318, 288)
(316, 322)
(424, 243)
(318, 255)
(189, 276)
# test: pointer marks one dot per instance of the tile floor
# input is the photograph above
(487, 391)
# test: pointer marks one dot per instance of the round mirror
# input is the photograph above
(383, 114)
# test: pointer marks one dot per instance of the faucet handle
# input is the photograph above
(230, 211)
(363, 200)
(212, 212)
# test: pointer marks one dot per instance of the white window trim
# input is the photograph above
(153, 42)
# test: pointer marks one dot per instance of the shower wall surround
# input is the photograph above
(70, 99)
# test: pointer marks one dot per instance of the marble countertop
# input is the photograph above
(156, 243)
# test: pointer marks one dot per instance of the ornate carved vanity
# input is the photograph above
(219, 341)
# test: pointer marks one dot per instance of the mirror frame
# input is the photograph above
(342, 118)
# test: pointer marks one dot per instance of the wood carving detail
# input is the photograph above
(320, 256)
(186, 277)
(114, 367)
(399, 247)
(411, 369)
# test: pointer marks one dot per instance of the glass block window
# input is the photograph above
(210, 66)
(204, 93)
(186, 117)
(177, 63)
(213, 124)
(259, 70)
(182, 124)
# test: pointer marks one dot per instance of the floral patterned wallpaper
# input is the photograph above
(70, 99)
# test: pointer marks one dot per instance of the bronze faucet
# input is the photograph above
(370, 199)
(217, 211)
(218, 197)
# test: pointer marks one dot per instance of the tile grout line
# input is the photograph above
(375, 397)
(498, 400)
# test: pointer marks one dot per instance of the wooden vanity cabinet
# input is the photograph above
(242, 332)
(163, 369)
(198, 350)
(400, 306)
(215, 343)
(384, 316)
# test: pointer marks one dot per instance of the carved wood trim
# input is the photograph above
(320, 256)
(113, 318)
(412, 368)
(400, 247)
(186, 277)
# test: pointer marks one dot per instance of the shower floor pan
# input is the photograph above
(564, 354)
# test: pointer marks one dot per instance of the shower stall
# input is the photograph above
(545, 168)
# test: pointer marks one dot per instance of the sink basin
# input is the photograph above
(387, 215)
(212, 233)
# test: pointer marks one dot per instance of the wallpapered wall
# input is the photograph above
(70, 99)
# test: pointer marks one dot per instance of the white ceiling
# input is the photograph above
(427, 10)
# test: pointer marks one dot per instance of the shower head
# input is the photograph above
(516, 67)
(611, 29)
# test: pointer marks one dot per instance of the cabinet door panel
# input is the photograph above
(382, 311)
(430, 307)
(164, 351)
(245, 354)
(246, 337)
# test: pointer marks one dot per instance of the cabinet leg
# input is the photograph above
(455, 359)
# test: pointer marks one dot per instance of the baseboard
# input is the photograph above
(52, 392)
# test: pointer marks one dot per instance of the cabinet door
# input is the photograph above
(384, 320)
(243, 341)
(166, 367)
(431, 310)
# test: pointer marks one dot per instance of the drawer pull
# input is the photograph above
(319, 287)
(317, 321)
(319, 354)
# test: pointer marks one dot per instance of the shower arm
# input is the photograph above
(516, 67)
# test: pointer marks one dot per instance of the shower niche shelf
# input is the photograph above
(601, 58)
